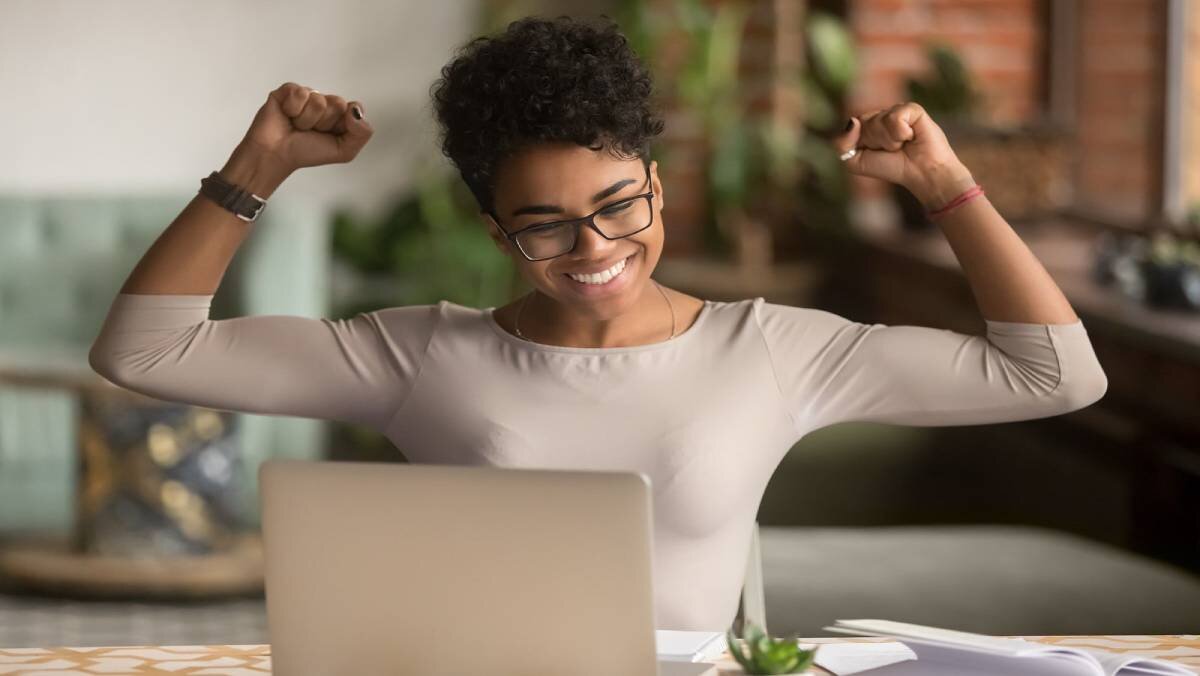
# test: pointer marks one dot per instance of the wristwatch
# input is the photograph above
(245, 205)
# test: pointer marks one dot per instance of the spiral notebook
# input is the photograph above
(947, 652)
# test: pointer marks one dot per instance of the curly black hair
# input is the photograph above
(563, 79)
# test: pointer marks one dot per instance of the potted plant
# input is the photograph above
(753, 160)
(759, 653)
(1024, 167)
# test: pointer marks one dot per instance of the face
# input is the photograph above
(562, 181)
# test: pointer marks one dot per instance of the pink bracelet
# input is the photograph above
(967, 195)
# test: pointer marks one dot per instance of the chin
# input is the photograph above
(609, 298)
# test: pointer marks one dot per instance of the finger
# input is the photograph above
(335, 108)
(849, 138)
(876, 134)
(897, 124)
(291, 98)
(314, 108)
(917, 120)
(850, 143)
(356, 131)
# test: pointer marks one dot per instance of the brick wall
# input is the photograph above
(1119, 108)
(1191, 111)
(1002, 43)
(772, 41)
(1116, 76)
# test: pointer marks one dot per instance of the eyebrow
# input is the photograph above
(555, 209)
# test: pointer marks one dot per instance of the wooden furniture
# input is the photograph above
(245, 660)
(1145, 432)
(153, 512)
(63, 257)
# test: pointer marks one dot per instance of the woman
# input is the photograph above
(598, 367)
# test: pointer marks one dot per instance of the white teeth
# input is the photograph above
(600, 277)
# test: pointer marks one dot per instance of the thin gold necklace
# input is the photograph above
(521, 308)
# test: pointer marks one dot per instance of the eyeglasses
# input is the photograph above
(618, 220)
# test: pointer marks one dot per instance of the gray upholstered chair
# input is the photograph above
(63, 259)
(850, 530)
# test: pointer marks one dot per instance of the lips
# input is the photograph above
(613, 285)
(597, 270)
(600, 277)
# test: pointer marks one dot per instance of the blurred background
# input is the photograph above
(127, 520)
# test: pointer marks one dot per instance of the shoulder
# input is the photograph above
(410, 325)
(407, 315)
(758, 309)
(798, 325)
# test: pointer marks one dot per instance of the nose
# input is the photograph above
(591, 245)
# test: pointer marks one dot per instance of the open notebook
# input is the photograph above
(943, 651)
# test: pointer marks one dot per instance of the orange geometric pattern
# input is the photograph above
(250, 660)
(226, 660)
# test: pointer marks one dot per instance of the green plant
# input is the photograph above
(759, 653)
(752, 157)
(428, 246)
(947, 92)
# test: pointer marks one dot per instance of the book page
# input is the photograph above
(935, 660)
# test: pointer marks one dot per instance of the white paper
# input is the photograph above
(852, 658)
(688, 646)
(944, 651)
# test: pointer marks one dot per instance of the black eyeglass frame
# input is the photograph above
(588, 220)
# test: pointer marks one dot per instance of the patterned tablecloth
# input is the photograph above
(244, 660)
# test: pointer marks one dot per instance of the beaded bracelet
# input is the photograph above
(967, 195)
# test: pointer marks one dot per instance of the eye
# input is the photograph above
(543, 227)
(619, 206)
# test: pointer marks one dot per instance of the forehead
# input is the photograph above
(562, 174)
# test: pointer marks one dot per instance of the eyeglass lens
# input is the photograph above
(615, 221)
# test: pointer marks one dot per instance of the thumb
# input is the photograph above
(357, 131)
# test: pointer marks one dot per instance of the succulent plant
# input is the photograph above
(759, 653)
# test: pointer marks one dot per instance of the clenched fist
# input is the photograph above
(301, 127)
(903, 145)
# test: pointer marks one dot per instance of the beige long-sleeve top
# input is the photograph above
(707, 415)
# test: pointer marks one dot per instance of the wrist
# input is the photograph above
(254, 170)
(941, 185)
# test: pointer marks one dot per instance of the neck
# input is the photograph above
(652, 319)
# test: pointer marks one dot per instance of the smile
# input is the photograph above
(602, 277)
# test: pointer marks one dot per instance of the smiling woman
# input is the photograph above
(604, 370)
(550, 125)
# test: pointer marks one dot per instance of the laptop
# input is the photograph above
(437, 570)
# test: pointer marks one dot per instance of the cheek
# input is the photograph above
(537, 274)
(652, 243)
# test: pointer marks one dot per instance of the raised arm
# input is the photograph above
(158, 339)
(356, 370)
(295, 128)
(831, 369)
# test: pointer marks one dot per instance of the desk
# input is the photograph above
(246, 660)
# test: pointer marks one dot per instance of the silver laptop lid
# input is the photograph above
(448, 570)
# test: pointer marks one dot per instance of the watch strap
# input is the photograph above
(244, 204)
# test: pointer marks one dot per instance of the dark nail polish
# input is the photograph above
(849, 124)
(356, 112)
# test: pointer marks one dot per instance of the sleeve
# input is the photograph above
(830, 369)
(356, 370)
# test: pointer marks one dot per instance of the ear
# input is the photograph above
(658, 189)
(494, 231)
